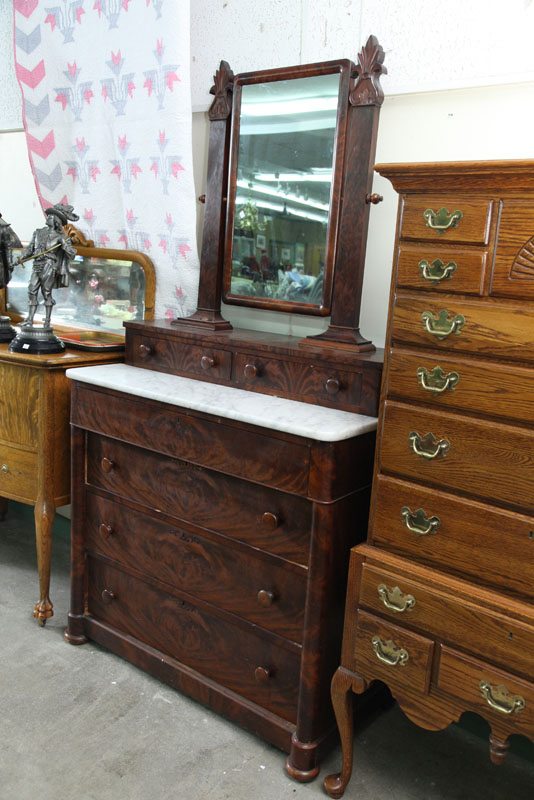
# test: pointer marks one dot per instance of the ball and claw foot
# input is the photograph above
(43, 610)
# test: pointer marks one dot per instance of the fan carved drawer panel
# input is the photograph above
(223, 648)
(257, 515)
(270, 595)
(487, 544)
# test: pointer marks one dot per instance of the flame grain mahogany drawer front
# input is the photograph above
(261, 517)
(387, 652)
(329, 386)
(255, 664)
(166, 355)
(494, 694)
(283, 464)
(438, 268)
(452, 324)
(266, 594)
(463, 219)
(487, 544)
(454, 613)
(465, 384)
(495, 462)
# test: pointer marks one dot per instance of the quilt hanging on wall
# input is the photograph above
(107, 114)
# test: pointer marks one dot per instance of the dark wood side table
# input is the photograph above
(35, 443)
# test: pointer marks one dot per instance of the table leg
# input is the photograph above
(342, 697)
(45, 511)
(3, 508)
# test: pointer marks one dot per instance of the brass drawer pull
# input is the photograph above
(332, 386)
(270, 520)
(500, 699)
(437, 271)
(105, 530)
(389, 653)
(394, 599)
(108, 596)
(145, 351)
(419, 524)
(442, 220)
(107, 464)
(436, 381)
(428, 446)
(262, 674)
(265, 598)
(5, 468)
(442, 325)
(207, 362)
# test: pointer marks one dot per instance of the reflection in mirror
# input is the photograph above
(286, 153)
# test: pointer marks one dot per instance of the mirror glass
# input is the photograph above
(282, 193)
(102, 294)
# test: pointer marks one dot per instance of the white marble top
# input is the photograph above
(275, 413)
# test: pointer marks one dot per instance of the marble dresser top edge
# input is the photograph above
(267, 411)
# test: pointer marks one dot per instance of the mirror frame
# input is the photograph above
(344, 69)
(85, 247)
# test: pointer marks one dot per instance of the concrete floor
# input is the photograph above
(78, 722)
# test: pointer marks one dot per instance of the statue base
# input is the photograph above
(37, 340)
(7, 332)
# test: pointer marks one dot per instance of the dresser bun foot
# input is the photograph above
(75, 633)
(301, 763)
(43, 610)
(498, 750)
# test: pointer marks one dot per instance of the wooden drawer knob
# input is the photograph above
(107, 464)
(108, 595)
(207, 362)
(265, 598)
(332, 386)
(145, 351)
(105, 530)
(250, 371)
(270, 520)
(262, 674)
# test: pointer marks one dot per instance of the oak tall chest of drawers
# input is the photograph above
(440, 599)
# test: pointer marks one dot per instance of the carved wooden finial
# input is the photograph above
(77, 236)
(367, 90)
(222, 89)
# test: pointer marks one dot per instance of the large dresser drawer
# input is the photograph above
(441, 269)
(498, 390)
(457, 325)
(479, 541)
(453, 612)
(283, 464)
(268, 594)
(164, 355)
(470, 226)
(495, 462)
(492, 693)
(255, 664)
(273, 521)
(334, 387)
(383, 651)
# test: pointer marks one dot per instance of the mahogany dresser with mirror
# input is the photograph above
(222, 475)
(35, 394)
(440, 599)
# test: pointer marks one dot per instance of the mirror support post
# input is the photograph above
(365, 99)
(208, 313)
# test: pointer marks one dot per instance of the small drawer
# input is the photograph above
(499, 390)
(389, 653)
(496, 462)
(446, 218)
(513, 270)
(327, 386)
(452, 611)
(178, 358)
(267, 594)
(494, 694)
(455, 325)
(440, 269)
(284, 464)
(18, 473)
(252, 663)
(481, 542)
(253, 514)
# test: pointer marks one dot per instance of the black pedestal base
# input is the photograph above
(38, 341)
(7, 332)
